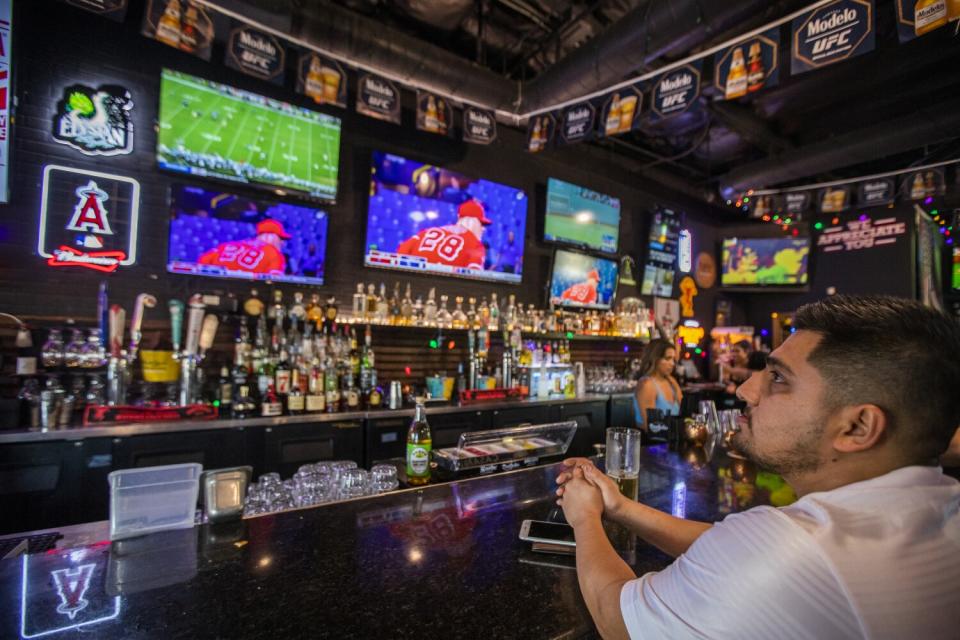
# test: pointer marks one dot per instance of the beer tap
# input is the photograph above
(116, 364)
(144, 301)
(189, 357)
(472, 362)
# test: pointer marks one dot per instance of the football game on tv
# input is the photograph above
(582, 281)
(578, 216)
(757, 262)
(212, 130)
(219, 234)
(425, 218)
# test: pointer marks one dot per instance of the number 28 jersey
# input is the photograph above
(246, 255)
(451, 245)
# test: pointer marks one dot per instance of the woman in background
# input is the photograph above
(657, 389)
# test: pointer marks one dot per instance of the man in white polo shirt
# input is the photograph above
(853, 411)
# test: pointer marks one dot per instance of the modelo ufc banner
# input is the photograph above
(835, 32)
(434, 114)
(479, 126)
(181, 24)
(748, 66)
(676, 91)
(322, 79)
(620, 111)
(114, 9)
(919, 17)
(879, 191)
(255, 53)
(378, 98)
(540, 130)
(576, 124)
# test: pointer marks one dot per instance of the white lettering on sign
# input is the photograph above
(248, 39)
(861, 234)
(835, 20)
(478, 117)
(676, 83)
(375, 86)
(579, 114)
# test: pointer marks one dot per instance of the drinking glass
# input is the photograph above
(354, 483)
(383, 478)
(622, 459)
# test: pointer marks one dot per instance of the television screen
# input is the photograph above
(955, 280)
(662, 248)
(426, 218)
(212, 130)
(579, 216)
(579, 280)
(221, 234)
(765, 261)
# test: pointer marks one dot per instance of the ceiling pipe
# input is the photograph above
(927, 124)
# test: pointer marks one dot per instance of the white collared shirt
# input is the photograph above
(874, 559)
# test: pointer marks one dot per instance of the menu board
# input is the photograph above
(663, 246)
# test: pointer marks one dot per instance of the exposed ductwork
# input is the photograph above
(926, 125)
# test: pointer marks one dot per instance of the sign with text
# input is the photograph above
(322, 79)
(95, 122)
(919, 17)
(832, 33)
(378, 98)
(795, 203)
(748, 66)
(861, 234)
(181, 24)
(255, 53)
(479, 125)
(88, 219)
(540, 130)
(620, 111)
(6, 97)
(833, 199)
(576, 125)
(114, 9)
(921, 185)
(434, 114)
(676, 91)
(872, 193)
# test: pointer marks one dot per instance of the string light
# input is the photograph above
(818, 225)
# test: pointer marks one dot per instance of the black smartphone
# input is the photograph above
(550, 532)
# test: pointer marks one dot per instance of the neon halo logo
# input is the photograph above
(88, 219)
(95, 122)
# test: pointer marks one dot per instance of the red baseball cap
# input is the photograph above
(272, 226)
(593, 275)
(473, 209)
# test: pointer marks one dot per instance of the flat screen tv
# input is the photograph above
(421, 217)
(582, 281)
(662, 249)
(955, 278)
(212, 130)
(765, 262)
(213, 233)
(581, 217)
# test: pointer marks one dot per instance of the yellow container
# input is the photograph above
(159, 366)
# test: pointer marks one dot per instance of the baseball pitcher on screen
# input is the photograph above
(258, 255)
(583, 292)
(457, 245)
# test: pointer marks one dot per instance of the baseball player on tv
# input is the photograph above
(457, 245)
(583, 292)
(262, 254)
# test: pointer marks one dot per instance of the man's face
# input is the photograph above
(739, 356)
(786, 416)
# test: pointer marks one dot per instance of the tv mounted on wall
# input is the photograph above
(765, 262)
(580, 217)
(582, 281)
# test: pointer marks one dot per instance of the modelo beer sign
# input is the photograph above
(577, 123)
(676, 91)
(256, 53)
(876, 192)
(479, 126)
(748, 66)
(88, 219)
(837, 31)
(378, 98)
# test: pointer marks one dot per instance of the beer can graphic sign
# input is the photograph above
(540, 131)
(434, 114)
(748, 66)
(181, 24)
(620, 111)
(832, 33)
(322, 79)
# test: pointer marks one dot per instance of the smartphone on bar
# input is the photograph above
(548, 532)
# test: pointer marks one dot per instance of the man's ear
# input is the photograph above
(860, 427)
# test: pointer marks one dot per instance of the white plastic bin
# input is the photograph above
(153, 499)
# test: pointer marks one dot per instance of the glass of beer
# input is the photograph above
(623, 459)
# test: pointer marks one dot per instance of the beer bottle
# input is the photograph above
(736, 77)
(296, 401)
(756, 74)
(929, 15)
(168, 29)
(419, 444)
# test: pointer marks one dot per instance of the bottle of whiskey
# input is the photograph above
(296, 401)
(371, 305)
(225, 393)
(282, 375)
(244, 406)
(359, 308)
(316, 399)
(419, 443)
(271, 405)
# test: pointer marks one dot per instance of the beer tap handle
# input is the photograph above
(103, 314)
(176, 323)
(210, 324)
(116, 320)
(144, 301)
(194, 322)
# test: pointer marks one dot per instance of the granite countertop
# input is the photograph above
(122, 430)
(438, 562)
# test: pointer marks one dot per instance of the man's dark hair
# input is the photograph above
(746, 345)
(895, 353)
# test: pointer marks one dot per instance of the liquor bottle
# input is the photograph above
(265, 375)
(282, 374)
(483, 314)
(756, 74)
(296, 401)
(253, 306)
(241, 371)
(406, 308)
(373, 398)
(371, 302)
(225, 393)
(354, 354)
(430, 309)
(316, 399)
(271, 405)
(444, 319)
(510, 313)
(493, 321)
(277, 306)
(315, 310)
(244, 405)
(473, 321)
(383, 306)
(367, 363)
(359, 308)
(331, 384)
(417, 319)
(737, 76)
(297, 310)
(458, 318)
(395, 304)
(190, 37)
(419, 443)
(929, 15)
(330, 309)
(168, 29)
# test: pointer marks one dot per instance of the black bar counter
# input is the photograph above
(439, 562)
